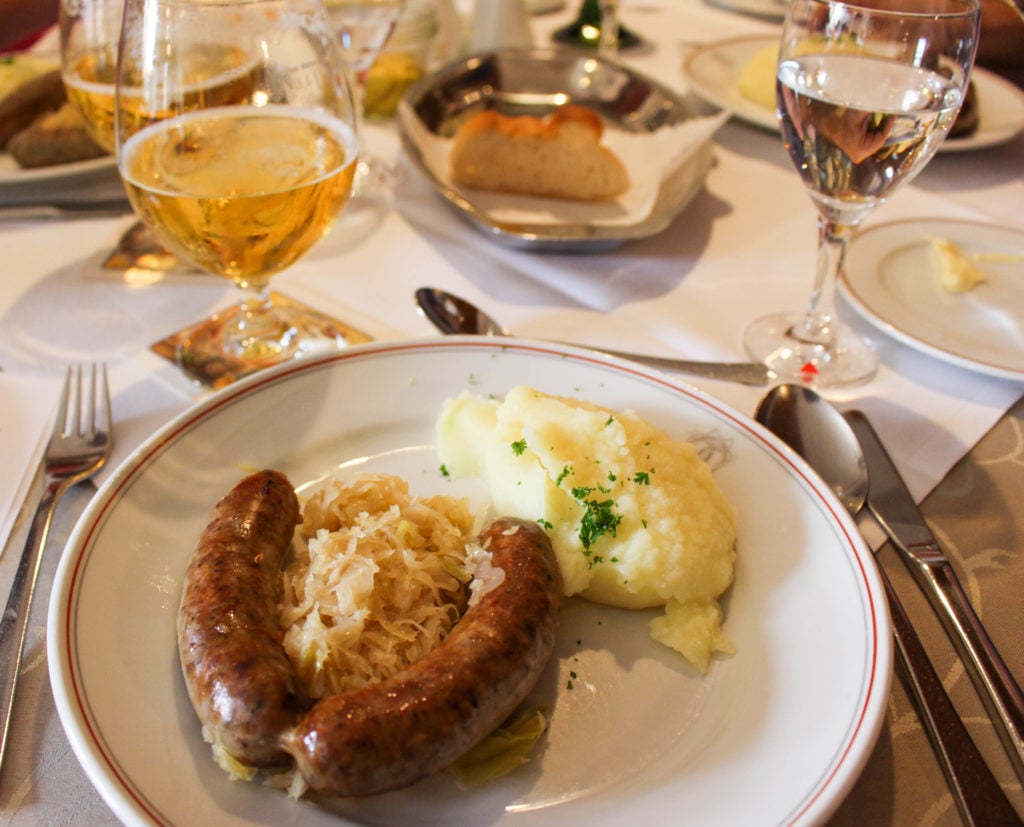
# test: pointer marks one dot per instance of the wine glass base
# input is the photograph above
(847, 360)
(204, 353)
(374, 178)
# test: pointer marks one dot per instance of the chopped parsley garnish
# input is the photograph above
(609, 421)
(545, 524)
(566, 471)
(642, 478)
(519, 447)
(598, 519)
(444, 471)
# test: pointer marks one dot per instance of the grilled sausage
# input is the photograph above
(240, 681)
(385, 736)
(393, 733)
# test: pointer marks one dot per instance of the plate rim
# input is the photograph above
(753, 114)
(884, 323)
(56, 172)
(852, 751)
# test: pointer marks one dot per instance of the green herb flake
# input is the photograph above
(545, 524)
(598, 520)
(642, 478)
(565, 472)
(444, 471)
(519, 447)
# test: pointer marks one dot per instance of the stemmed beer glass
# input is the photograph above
(866, 93)
(236, 142)
(89, 34)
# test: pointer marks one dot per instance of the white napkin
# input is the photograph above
(28, 404)
(650, 158)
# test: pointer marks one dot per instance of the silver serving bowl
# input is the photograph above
(535, 82)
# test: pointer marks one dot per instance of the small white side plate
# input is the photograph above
(890, 278)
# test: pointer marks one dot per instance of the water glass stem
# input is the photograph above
(816, 326)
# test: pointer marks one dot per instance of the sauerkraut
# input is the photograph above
(377, 580)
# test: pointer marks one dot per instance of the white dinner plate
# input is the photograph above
(773, 735)
(764, 9)
(890, 278)
(714, 71)
(12, 174)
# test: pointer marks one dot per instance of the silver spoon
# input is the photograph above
(820, 434)
(451, 314)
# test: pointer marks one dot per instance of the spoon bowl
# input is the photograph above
(451, 315)
(820, 434)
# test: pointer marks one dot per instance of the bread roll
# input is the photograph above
(37, 96)
(559, 156)
(55, 138)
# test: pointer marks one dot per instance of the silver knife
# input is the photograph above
(895, 509)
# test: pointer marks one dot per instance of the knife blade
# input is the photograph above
(891, 503)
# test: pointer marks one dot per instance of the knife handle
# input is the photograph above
(978, 796)
(903, 523)
(992, 677)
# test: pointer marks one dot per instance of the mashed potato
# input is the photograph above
(634, 516)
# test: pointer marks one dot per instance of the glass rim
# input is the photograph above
(919, 9)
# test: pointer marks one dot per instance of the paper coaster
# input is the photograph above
(216, 369)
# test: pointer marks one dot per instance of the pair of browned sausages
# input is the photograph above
(382, 737)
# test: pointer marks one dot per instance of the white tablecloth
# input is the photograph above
(744, 246)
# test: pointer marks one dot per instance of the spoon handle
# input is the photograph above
(977, 793)
(747, 373)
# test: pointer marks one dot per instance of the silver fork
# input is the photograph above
(78, 447)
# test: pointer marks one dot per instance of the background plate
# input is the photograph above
(776, 734)
(13, 175)
(890, 278)
(714, 70)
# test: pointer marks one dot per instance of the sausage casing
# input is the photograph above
(240, 681)
(393, 733)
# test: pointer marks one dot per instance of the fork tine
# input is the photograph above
(61, 419)
(76, 402)
(101, 410)
(90, 404)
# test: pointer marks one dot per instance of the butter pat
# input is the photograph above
(635, 517)
(957, 273)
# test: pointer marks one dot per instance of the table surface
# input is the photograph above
(746, 242)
